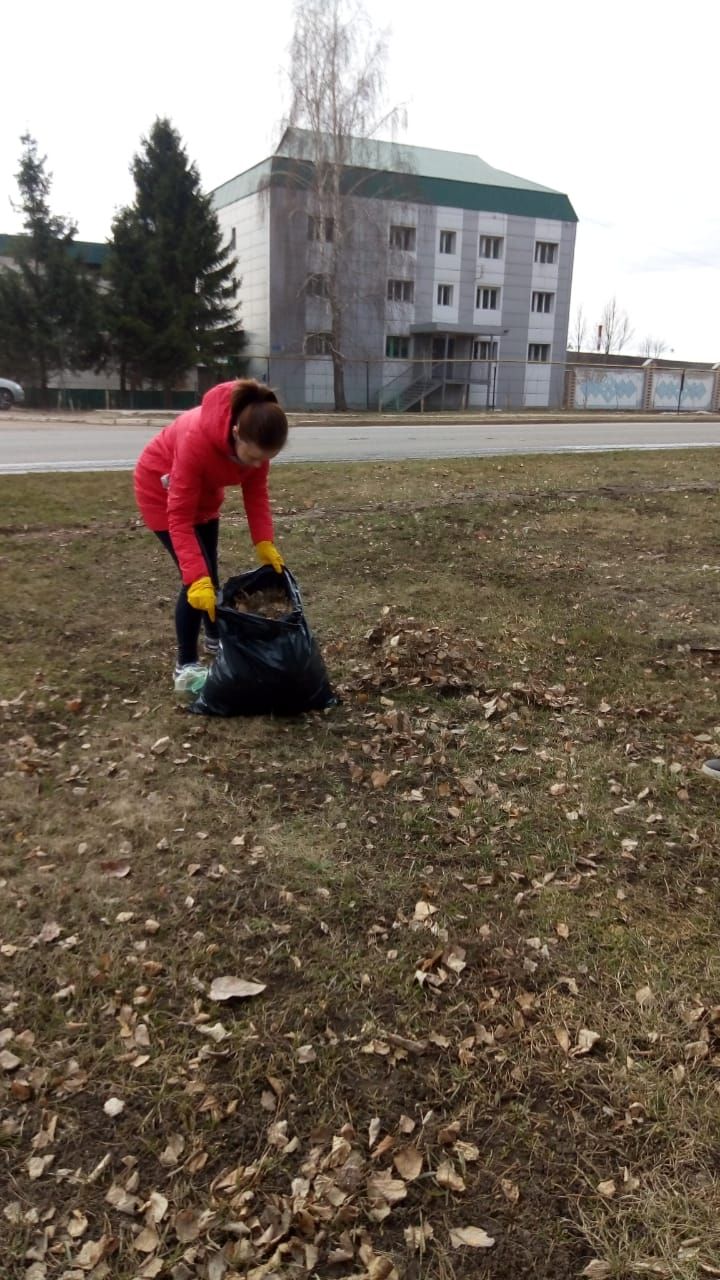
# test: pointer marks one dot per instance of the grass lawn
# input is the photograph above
(481, 896)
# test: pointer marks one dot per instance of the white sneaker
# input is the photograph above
(190, 678)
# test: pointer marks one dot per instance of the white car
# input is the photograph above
(10, 393)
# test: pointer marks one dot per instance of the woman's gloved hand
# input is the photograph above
(201, 595)
(267, 553)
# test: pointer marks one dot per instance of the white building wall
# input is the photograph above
(490, 272)
(537, 385)
(446, 268)
(247, 217)
(546, 274)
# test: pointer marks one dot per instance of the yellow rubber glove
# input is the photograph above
(201, 595)
(267, 553)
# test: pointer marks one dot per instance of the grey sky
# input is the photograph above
(616, 105)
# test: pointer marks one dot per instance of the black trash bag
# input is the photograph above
(264, 666)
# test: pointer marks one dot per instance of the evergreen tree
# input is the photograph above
(49, 304)
(172, 285)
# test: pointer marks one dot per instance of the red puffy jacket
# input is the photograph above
(181, 475)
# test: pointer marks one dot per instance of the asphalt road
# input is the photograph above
(30, 445)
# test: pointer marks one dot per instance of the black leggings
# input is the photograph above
(187, 619)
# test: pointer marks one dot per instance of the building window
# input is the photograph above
(543, 302)
(490, 247)
(447, 241)
(396, 347)
(401, 290)
(316, 286)
(487, 299)
(545, 252)
(485, 349)
(539, 352)
(318, 344)
(445, 295)
(320, 228)
(233, 238)
(403, 238)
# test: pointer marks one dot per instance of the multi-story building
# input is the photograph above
(456, 277)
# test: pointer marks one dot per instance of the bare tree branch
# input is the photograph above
(337, 65)
(652, 347)
(578, 330)
(614, 330)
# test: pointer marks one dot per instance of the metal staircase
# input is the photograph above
(416, 392)
(401, 394)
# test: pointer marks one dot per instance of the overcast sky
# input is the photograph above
(615, 104)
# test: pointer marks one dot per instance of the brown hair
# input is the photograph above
(259, 419)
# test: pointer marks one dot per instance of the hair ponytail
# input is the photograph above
(259, 419)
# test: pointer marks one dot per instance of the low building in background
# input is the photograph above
(634, 384)
(457, 282)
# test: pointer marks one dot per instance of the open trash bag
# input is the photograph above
(265, 665)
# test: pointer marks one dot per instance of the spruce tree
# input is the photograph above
(172, 284)
(50, 314)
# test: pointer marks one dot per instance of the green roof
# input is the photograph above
(242, 185)
(90, 251)
(396, 171)
(397, 157)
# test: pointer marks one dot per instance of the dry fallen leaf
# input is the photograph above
(467, 1151)
(49, 932)
(446, 1177)
(9, 1061)
(423, 910)
(37, 1165)
(510, 1190)
(156, 1207)
(607, 1189)
(217, 1032)
(121, 1199)
(562, 1038)
(475, 1237)
(187, 1225)
(173, 1150)
(417, 1237)
(77, 1224)
(597, 1270)
(382, 1186)
(116, 870)
(151, 1268)
(586, 1040)
(409, 1162)
(381, 1268)
(697, 1049)
(454, 958)
(93, 1252)
(147, 1240)
(229, 988)
(644, 996)
(306, 1053)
